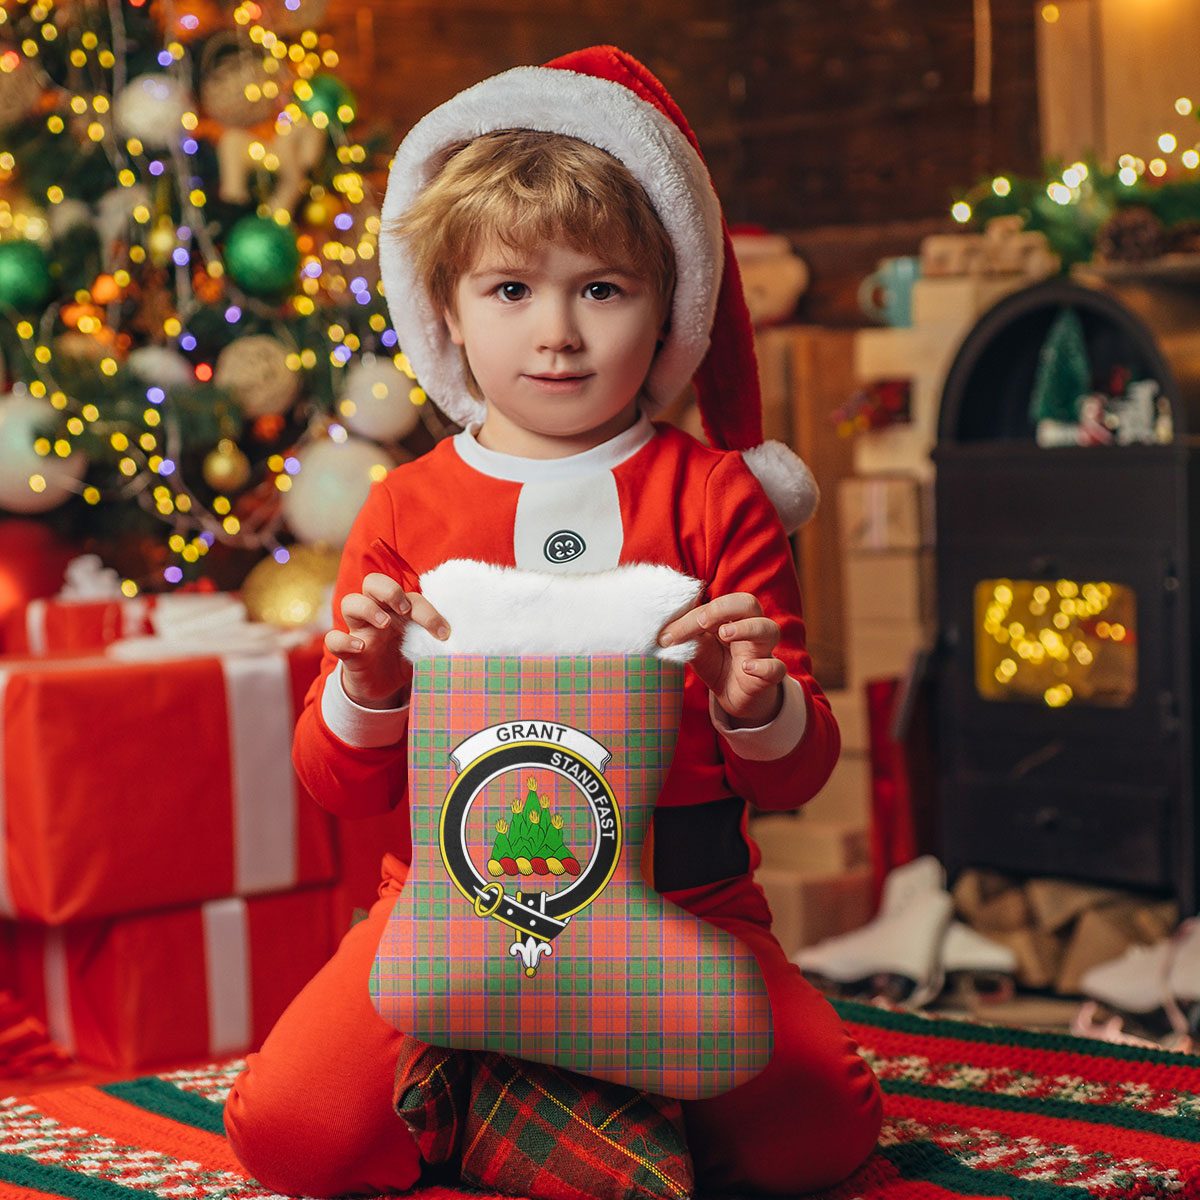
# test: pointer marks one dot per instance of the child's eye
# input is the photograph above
(512, 291)
(601, 291)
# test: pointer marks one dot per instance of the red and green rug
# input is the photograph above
(972, 1110)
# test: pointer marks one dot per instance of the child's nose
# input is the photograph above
(557, 328)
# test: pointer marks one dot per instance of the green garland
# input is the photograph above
(1071, 228)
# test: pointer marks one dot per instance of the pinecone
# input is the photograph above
(1184, 238)
(1132, 234)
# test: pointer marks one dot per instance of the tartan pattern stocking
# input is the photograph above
(557, 951)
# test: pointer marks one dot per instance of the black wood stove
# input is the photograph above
(1068, 656)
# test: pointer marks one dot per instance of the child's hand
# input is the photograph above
(734, 656)
(374, 673)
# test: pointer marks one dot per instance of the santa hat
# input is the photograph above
(607, 98)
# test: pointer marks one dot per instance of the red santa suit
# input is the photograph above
(313, 1113)
(651, 495)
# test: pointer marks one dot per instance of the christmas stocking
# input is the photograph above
(525, 926)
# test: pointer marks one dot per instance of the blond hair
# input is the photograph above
(520, 188)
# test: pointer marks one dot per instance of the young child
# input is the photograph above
(557, 266)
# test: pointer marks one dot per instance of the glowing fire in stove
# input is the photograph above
(1056, 641)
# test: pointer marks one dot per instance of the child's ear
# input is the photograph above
(452, 327)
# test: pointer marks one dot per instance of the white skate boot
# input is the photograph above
(1156, 988)
(979, 966)
(898, 953)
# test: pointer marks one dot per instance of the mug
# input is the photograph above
(886, 294)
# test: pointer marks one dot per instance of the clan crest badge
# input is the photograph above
(534, 877)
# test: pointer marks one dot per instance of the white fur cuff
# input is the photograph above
(505, 611)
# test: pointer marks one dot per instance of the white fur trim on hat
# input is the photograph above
(786, 479)
(604, 114)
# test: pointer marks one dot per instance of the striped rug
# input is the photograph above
(972, 1111)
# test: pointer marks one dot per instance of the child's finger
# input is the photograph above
(428, 617)
(362, 612)
(343, 645)
(761, 632)
(387, 593)
(767, 671)
(705, 618)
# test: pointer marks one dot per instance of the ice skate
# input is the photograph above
(1154, 989)
(898, 953)
(978, 965)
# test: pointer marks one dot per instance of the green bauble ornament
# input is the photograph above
(262, 255)
(328, 95)
(24, 275)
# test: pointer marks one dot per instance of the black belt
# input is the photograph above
(698, 844)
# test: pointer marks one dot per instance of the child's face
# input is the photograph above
(559, 342)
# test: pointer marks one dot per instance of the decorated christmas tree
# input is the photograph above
(196, 357)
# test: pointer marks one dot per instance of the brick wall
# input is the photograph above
(810, 113)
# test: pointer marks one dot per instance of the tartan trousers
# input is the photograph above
(312, 1112)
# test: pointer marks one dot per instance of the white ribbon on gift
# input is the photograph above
(876, 533)
(56, 979)
(132, 615)
(227, 977)
(258, 695)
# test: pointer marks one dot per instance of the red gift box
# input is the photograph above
(173, 987)
(52, 625)
(131, 786)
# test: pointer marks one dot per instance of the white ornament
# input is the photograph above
(330, 488)
(255, 370)
(66, 215)
(228, 85)
(298, 147)
(20, 90)
(151, 108)
(114, 218)
(375, 400)
(23, 419)
(162, 366)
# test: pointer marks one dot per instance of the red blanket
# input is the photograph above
(972, 1111)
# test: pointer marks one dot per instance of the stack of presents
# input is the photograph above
(823, 869)
(166, 884)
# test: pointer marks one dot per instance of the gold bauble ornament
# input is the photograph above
(318, 213)
(295, 593)
(255, 370)
(162, 242)
(237, 89)
(226, 468)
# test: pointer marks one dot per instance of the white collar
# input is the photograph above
(514, 469)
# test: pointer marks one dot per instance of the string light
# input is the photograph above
(134, 438)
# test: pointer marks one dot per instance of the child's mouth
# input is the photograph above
(558, 383)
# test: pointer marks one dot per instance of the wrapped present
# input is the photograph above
(130, 786)
(138, 626)
(884, 512)
(52, 624)
(183, 985)
(88, 611)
